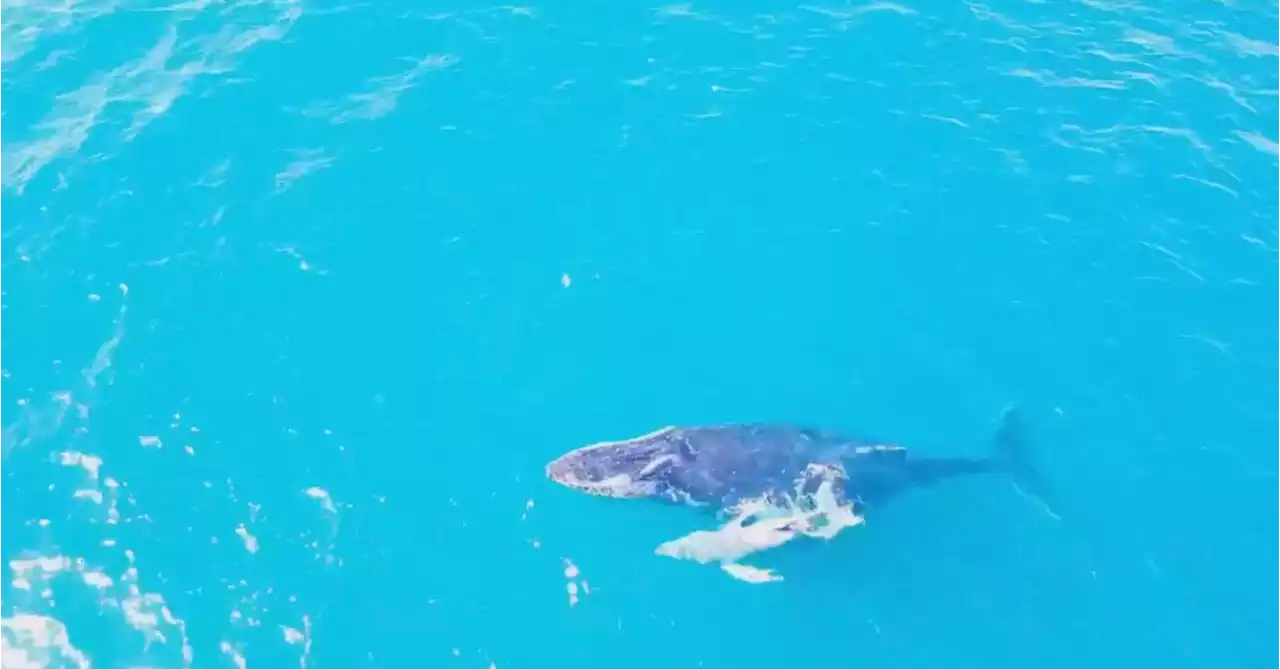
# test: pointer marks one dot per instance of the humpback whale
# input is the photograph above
(774, 481)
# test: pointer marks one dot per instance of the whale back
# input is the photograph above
(728, 463)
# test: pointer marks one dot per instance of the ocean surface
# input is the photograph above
(300, 296)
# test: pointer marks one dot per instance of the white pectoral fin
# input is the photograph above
(732, 542)
(759, 525)
(744, 572)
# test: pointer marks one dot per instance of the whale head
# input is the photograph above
(634, 468)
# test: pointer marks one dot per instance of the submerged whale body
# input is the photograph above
(777, 481)
(722, 465)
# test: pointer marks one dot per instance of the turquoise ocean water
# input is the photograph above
(299, 297)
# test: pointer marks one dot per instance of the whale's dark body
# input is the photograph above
(721, 465)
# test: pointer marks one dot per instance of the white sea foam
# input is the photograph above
(106, 567)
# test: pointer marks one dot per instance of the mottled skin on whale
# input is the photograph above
(773, 466)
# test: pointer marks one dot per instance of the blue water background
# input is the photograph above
(345, 232)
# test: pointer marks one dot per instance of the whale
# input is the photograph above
(775, 481)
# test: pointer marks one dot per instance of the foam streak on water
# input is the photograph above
(87, 559)
(43, 576)
(148, 85)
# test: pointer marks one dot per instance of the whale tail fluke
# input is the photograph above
(1012, 455)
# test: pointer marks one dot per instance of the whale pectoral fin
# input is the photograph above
(734, 540)
(749, 574)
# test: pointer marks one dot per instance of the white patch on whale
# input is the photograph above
(818, 514)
